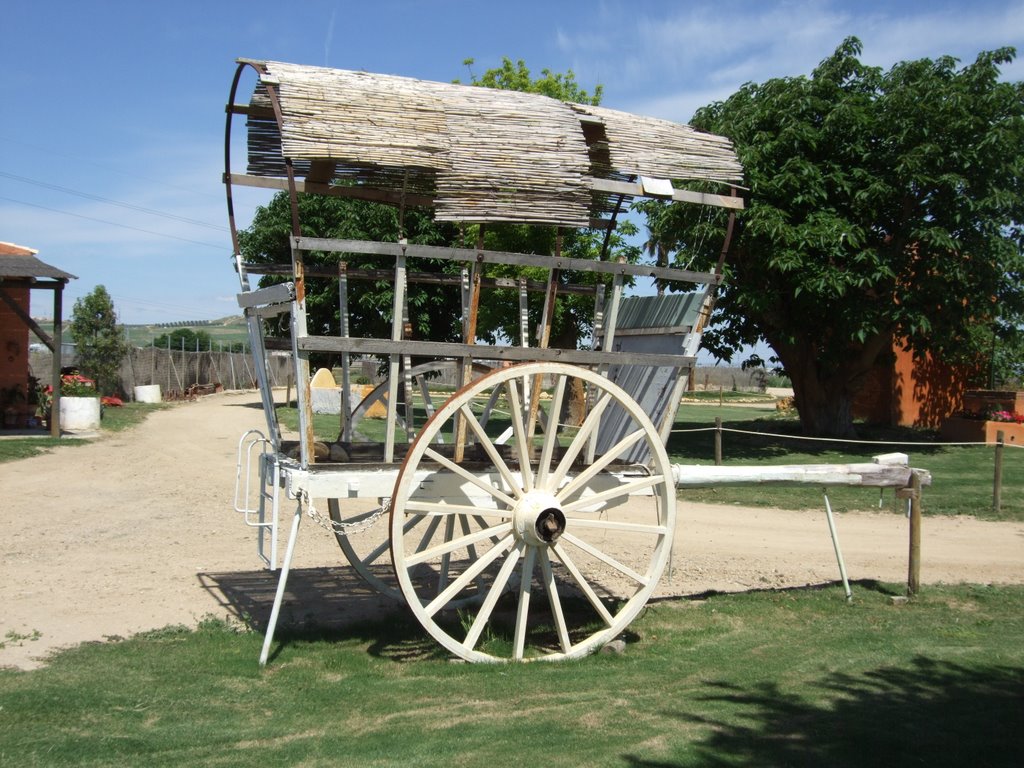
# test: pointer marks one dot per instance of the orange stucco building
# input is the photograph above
(908, 392)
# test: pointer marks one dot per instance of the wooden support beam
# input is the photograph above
(438, 349)
(371, 247)
(25, 318)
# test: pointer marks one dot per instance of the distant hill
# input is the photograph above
(225, 330)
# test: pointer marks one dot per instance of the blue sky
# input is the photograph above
(111, 142)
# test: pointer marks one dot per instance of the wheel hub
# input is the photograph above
(538, 519)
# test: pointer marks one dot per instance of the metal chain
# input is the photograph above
(338, 527)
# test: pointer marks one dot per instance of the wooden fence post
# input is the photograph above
(914, 565)
(997, 479)
(718, 441)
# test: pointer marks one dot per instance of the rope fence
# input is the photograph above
(997, 474)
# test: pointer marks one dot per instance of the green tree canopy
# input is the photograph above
(882, 205)
(100, 344)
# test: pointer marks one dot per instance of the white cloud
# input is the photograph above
(667, 58)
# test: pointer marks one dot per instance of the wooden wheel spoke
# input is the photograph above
(491, 451)
(551, 433)
(429, 533)
(463, 580)
(613, 525)
(436, 508)
(452, 544)
(428, 404)
(582, 583)
(523, 605)
(497, 493)
(554, 601)
(497, 588)
(625, 489)
(607, 458)
(579, 442)
(376, 552)
(604, 558)
(446, 558)
(519, 430)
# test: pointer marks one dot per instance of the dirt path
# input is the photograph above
(136, 531)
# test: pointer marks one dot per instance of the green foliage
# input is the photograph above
(99, 342)
(516, 77)
(881, 204)
(769, 677)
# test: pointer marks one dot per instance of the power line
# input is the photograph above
(50, 152)
(115, 224)
(130, 206)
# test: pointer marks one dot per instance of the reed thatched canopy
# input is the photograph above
(475, 154)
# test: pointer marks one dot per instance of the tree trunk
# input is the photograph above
(823, 399)
(825, 408)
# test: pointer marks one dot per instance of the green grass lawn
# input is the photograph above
(113, 420)
(795, 677)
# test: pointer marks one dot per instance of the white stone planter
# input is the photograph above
(79, 414)
(150, 393)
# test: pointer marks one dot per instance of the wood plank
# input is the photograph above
(438, 349)
(867, 475)
(680, 195)
(502, 257)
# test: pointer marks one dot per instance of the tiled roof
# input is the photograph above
(16, 261)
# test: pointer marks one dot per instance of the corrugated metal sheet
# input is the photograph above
(671, 319)
(673, 310)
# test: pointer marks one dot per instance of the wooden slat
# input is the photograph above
(437, 349)
(503, 257)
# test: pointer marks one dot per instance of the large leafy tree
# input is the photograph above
(99, 342)
(882, 205)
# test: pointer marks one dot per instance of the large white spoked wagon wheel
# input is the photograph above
(507, 545)
(367, 553)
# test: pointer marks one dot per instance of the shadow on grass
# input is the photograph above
(928, 712)
(872, 585)
(332, 604)
(336, 605)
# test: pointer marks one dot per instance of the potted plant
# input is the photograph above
(79, 403)
(985, 423)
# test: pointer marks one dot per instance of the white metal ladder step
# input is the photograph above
(267, 494)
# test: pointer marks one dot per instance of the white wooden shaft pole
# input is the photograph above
(282, 583)
(835, 545)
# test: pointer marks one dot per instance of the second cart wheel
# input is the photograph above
(367, 552)
(524, 550)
